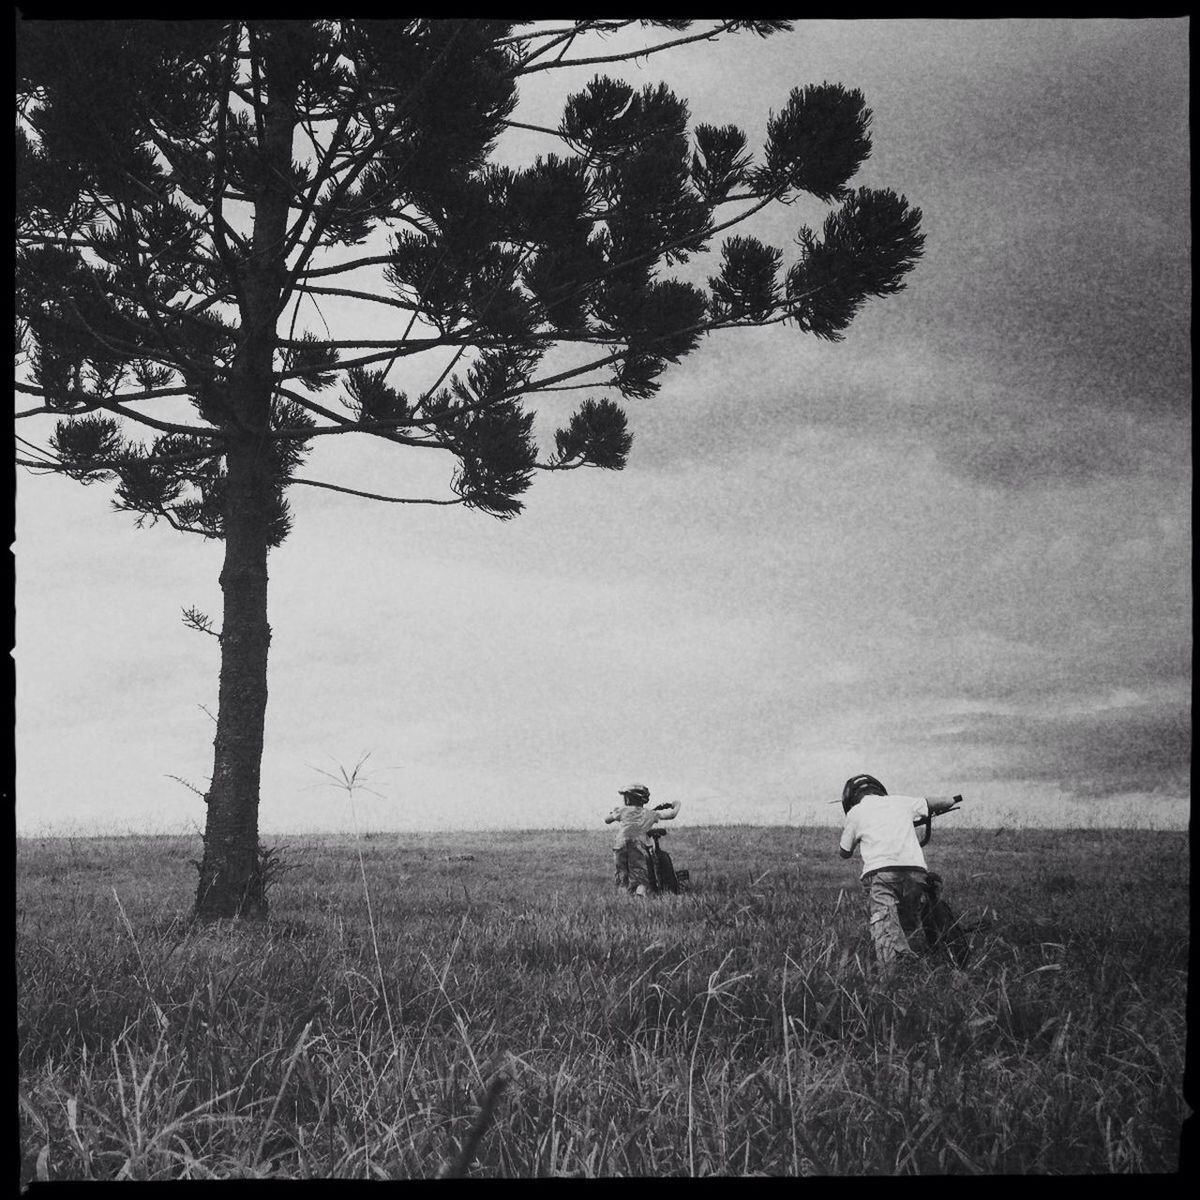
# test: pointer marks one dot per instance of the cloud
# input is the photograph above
(918, 394)
(1111, 748)
(1044, 339)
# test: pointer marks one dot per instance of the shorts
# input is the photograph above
(631, 866)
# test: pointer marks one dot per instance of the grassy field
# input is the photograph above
(490, 997)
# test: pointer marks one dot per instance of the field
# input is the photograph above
(486, 1004)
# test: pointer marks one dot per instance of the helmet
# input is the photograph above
(636, 793)
(859, 786)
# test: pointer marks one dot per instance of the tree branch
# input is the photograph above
(343, 425)
(352, 294)
(373, 261)
(54, 467)
(325, 171)
(557, 36)
(87, 406)
(193, 618)
(220, 161)
(359, 164)
(48, 462)
(163, 426)
(511, 124)
(561, 37)
(333, 487)
(707, 35)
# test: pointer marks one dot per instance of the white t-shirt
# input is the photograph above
(637, 820)
(882, 826)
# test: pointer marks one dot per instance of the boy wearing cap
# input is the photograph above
(634, 821)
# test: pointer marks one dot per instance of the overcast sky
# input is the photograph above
(953, 550)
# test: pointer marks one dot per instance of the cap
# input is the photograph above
(636, 789)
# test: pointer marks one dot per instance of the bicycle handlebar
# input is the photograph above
(927, 822)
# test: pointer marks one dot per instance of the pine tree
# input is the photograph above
(182, 186)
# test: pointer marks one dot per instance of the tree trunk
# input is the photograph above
(231, 883)
(231, 875)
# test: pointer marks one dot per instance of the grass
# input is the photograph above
(502, 1012)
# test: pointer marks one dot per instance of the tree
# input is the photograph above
(183, 186)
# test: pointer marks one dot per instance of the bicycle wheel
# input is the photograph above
(943, 929)
(667, 880)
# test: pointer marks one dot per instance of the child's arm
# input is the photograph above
(848, 841)
(668, 811)
(615, 815)
(942, 804)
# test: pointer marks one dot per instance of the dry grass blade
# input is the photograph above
(287, 1075)
(459, 1165)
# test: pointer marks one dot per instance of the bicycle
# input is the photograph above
(664, 879)
(943, 928)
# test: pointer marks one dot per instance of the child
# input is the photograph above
(629, 846)
(894, 873)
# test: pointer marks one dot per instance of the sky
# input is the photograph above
(952, 550)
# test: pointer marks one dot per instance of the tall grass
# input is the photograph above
(508, 1015)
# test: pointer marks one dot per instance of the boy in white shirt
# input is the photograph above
(894, 873)
(635, 821)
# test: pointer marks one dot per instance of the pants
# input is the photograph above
(894, 898)
(631, 867)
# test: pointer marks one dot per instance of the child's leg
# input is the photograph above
(911, 900)
(639, 869)
(621, 868)
(887, 934)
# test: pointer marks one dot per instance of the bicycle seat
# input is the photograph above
(657, 833)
